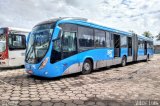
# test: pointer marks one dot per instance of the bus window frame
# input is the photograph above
(69, 29)
(62, 45)
(59, 37)
(5, 33)
(94, 35)
(126, 41)
(93, 45)
(11, 47)
(80, 48)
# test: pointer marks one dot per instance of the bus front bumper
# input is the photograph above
(47, 71)
(33, 70)
(39, 73)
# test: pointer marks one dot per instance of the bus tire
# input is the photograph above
(87, 67)
(124, 61)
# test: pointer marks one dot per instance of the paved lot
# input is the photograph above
(114, 86)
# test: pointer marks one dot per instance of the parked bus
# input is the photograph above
(69, 45)
(12, 46)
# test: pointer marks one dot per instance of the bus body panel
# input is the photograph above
(74, 63)
(141, 55)
(4, 63)
(150, 53)
(16, 58)
(140, 52)
(124, 52)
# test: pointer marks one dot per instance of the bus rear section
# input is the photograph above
(12, 46)
(3, 48)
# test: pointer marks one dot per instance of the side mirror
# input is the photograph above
(57, 33)
(27, 38)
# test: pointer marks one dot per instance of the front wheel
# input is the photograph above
(124, 61)
(87, 67)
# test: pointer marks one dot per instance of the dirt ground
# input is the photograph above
(136, 84)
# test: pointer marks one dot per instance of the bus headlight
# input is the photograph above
(43, 64)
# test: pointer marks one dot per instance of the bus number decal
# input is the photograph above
(109, 53)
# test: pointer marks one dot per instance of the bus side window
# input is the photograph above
(123, 41)
(69, 42)
(69, 39)
(17, 42)
(86, 38)
(100, 38)
(139, 44)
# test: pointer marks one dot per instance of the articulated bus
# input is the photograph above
(63, 46)
(12, 46)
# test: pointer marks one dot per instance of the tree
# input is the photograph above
(147, 34)
(158, 36)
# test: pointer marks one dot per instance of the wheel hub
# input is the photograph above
(87, 66)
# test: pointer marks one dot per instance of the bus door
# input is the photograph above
(17, 46)
(69, 49)
(117, 48)
(145, 47)
(129, 46)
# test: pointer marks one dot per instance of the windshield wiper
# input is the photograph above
(31, 48)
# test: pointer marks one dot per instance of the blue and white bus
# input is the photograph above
(63, 46)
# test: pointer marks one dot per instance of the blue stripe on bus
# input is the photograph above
(57, 69)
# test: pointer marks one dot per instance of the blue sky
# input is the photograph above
(136, 15)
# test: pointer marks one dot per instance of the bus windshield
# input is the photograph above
(2, 40)
(39, 40)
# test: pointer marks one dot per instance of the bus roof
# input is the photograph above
(145, 38)
(60, 18)
(18, 29)
(85, 21)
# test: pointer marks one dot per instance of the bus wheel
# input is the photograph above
(124, 61)
(87, 67)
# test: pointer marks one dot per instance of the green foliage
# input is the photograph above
(147, 34)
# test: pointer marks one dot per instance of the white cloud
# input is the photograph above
(136, 15)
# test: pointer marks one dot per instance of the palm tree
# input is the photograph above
(147, 34)
(158, 36)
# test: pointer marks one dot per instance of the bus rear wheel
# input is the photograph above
(124, 61)
(87, 67)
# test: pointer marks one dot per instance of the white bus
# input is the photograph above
(12, 46)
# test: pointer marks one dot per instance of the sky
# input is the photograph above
(126, 15)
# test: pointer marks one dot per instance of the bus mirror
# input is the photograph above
(27, 38)
(57, 33)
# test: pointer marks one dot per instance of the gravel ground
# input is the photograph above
(136, 84)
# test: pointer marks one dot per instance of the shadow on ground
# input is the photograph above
(18, 79)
